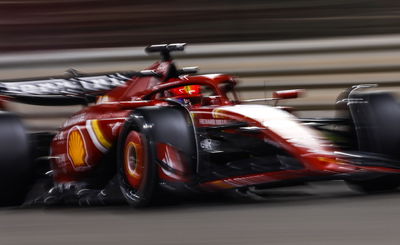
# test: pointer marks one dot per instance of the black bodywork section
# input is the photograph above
(229, 152)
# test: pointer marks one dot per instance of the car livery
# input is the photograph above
(170, 130)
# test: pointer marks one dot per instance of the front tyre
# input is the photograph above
(136, 167)
(380, 184)
(375, 117)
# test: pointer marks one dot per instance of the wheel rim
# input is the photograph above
(134, 160)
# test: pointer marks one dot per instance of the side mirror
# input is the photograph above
(287, 94)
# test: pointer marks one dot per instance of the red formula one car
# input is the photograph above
(162, 129)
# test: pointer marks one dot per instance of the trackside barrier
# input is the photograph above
(260, 65)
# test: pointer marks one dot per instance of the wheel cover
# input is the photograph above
(134, 159)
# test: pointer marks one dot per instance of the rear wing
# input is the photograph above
(83, 88)
(165, 49)
(72, 90)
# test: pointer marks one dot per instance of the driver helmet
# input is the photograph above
(186, 91)
(189, 94)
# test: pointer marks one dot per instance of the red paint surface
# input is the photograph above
(118, 104)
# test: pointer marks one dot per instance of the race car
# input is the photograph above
(164, 130)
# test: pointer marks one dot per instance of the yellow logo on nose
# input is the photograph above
(76, 149)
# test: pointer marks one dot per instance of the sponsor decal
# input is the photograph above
(75, 120)
(77, 152)
(213, 121)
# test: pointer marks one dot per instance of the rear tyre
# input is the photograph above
(15, 162)
(137, 170)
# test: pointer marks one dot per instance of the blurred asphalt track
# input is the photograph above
(322, 213)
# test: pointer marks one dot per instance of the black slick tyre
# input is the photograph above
(384, 183)
(376, 119)
(15, 162)
(136, 164)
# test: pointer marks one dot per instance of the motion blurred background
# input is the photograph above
(60, 24)
(323, 46)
